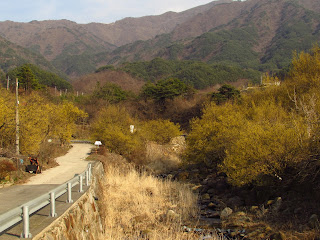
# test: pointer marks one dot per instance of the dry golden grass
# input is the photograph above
(164, 158)
(139, 206)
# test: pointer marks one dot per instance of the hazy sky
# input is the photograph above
(84, 11)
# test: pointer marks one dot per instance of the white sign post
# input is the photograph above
(131, 128)
(97, 143)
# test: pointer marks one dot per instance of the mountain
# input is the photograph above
(51, 38)
(259, 34)
(130, 29)
(12, 55)
(72, 47)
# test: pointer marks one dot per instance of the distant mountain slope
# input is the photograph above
(52, 38)
(130, 29)
(12, 55)
(214, 17)
(313, 5)
(259, 34)
(72, 47)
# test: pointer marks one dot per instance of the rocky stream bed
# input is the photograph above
(234, 213)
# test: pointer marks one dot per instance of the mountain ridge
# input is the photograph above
(60, 34)
(258, 34)
(272, 28)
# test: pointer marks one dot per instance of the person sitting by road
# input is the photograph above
(34, 161)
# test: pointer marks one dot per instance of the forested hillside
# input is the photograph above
(42, 77)
(12, 55)
(195, 73)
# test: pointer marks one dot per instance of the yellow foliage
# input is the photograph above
(112, 127)
(63, 119)
(39, 119)
(269, 80)
(247, 141)
(305, 72)
(269, 129)
(215, 132)
(34, 123)
(263, 148)
(160, 131)
(7, 118)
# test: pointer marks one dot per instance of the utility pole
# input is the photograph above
(8, 81)
(17, 119)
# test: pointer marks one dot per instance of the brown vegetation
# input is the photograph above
(87, 84)
(137, 205)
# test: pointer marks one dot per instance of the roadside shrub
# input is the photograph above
(112, 127)
(261, 149)
(160, 131)
(6, 167)
(247, 141)
(213, 133)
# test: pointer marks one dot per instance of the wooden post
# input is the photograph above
(17, 119)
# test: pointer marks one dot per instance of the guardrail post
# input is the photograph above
(89, 171)
(87, 177)
(69, 193)
(25, 218)
(53, 205)
(80, 183)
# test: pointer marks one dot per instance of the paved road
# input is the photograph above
(41, 219)
(69, 165)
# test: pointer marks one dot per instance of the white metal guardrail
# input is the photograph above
(23, 212)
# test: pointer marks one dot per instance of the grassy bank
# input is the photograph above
(137, 205)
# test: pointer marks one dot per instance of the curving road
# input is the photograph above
(69, 165)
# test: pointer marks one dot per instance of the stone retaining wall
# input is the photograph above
(82, 220)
